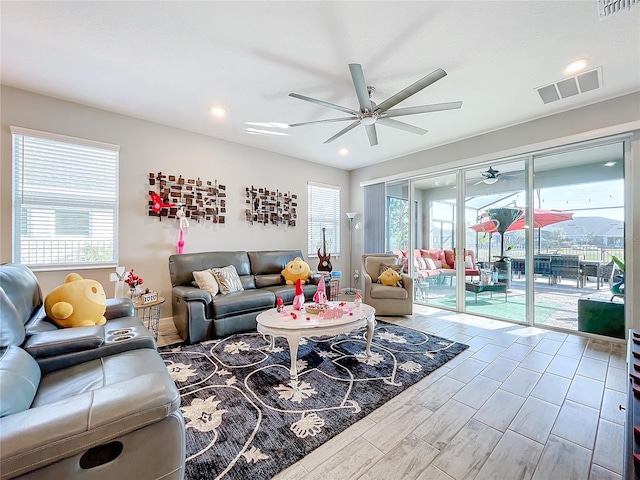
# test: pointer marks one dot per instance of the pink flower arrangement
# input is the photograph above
(133, 280)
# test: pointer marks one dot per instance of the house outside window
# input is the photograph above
(65, 201)
(323, 212)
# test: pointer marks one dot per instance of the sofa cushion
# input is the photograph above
(270, 280)
(228, 279)
(372, 265)
(287, 292)
(182, 266)
(21, 286)
(11, 326)
(19, 380)
(383, 291)
(205, 280)
(238, 303)
(430, 264)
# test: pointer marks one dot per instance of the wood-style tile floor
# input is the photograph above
(521, 403)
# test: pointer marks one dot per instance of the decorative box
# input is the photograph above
(149, 297)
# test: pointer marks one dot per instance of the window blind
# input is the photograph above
(323, 212)
(65, 201)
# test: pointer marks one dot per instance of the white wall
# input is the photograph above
(592, 121)
(145, 243)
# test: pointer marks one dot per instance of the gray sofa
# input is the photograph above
(199, 317)
(86, 402)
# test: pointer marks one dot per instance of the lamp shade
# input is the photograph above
(351, 215)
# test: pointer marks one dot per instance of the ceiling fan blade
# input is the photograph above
(436, 107)
(323, 121)
(411, 90)
(389, 122)
(361, 86)
(372, 134)
(343, 131)
(323, 103)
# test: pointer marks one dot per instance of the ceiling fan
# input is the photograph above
(371, 113)
(492, 175)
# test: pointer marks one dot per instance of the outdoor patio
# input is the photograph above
(556, 304)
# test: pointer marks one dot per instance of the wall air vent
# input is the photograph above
(609, 7)
(568, 87)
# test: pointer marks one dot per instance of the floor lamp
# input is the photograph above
(351, 216)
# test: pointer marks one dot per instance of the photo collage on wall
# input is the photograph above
(267, 206)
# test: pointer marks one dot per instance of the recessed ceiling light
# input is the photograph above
(610, 164)
(576, 66)
(343, 151)
(217, 111)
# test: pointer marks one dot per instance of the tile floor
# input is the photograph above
(521, 403)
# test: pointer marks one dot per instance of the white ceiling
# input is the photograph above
(168, 62)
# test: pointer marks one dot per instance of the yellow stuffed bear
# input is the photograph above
(296, 269)
(78, 302)
(389, 277)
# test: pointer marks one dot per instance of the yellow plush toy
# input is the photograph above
(389, 277)
(296, 269)
(78, 302)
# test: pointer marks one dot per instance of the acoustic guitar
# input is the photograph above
(324, 259)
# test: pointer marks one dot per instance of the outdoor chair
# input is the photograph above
(567, 266)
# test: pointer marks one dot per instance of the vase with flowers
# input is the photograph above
(134, 282)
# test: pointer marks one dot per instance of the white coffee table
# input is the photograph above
(283, 324)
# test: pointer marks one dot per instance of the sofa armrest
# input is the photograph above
(119, 307)
(64, 341)
(189, 294)
(42, 435)
(407, 283)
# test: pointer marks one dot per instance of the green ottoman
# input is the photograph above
(602, 317)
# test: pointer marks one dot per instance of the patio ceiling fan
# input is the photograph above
(369, 113)
(492, 175)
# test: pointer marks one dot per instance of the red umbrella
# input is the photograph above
(541, 218)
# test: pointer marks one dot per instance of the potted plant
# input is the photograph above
(616, 282)
(503, 218)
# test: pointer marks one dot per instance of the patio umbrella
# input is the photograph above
(541, 218)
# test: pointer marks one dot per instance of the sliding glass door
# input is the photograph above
(433, 256)
(579, 230)
(543, 238)
(495, 240)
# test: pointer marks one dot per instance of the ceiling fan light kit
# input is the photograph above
(369, 113)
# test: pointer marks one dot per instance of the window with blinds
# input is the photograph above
(65, 201)
(324, 212)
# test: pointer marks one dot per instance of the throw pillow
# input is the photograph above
(384, 266)
(207, 282)
(228, 279)
(421, 263)
(468, 263)
(431, 265)
(438, 263)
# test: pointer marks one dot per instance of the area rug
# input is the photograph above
(246, 419)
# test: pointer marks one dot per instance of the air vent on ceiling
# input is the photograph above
(609, 7)
(584, 82)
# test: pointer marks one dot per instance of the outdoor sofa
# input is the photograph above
(444, 263)
(198, 316)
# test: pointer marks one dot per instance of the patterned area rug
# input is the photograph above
(246, 419)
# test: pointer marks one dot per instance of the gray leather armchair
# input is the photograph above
(87, 402)
(386, 300)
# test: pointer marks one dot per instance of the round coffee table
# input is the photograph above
(283, 324)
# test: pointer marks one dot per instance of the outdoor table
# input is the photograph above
(591, 268)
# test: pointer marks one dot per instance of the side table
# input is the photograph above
(149, 313)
